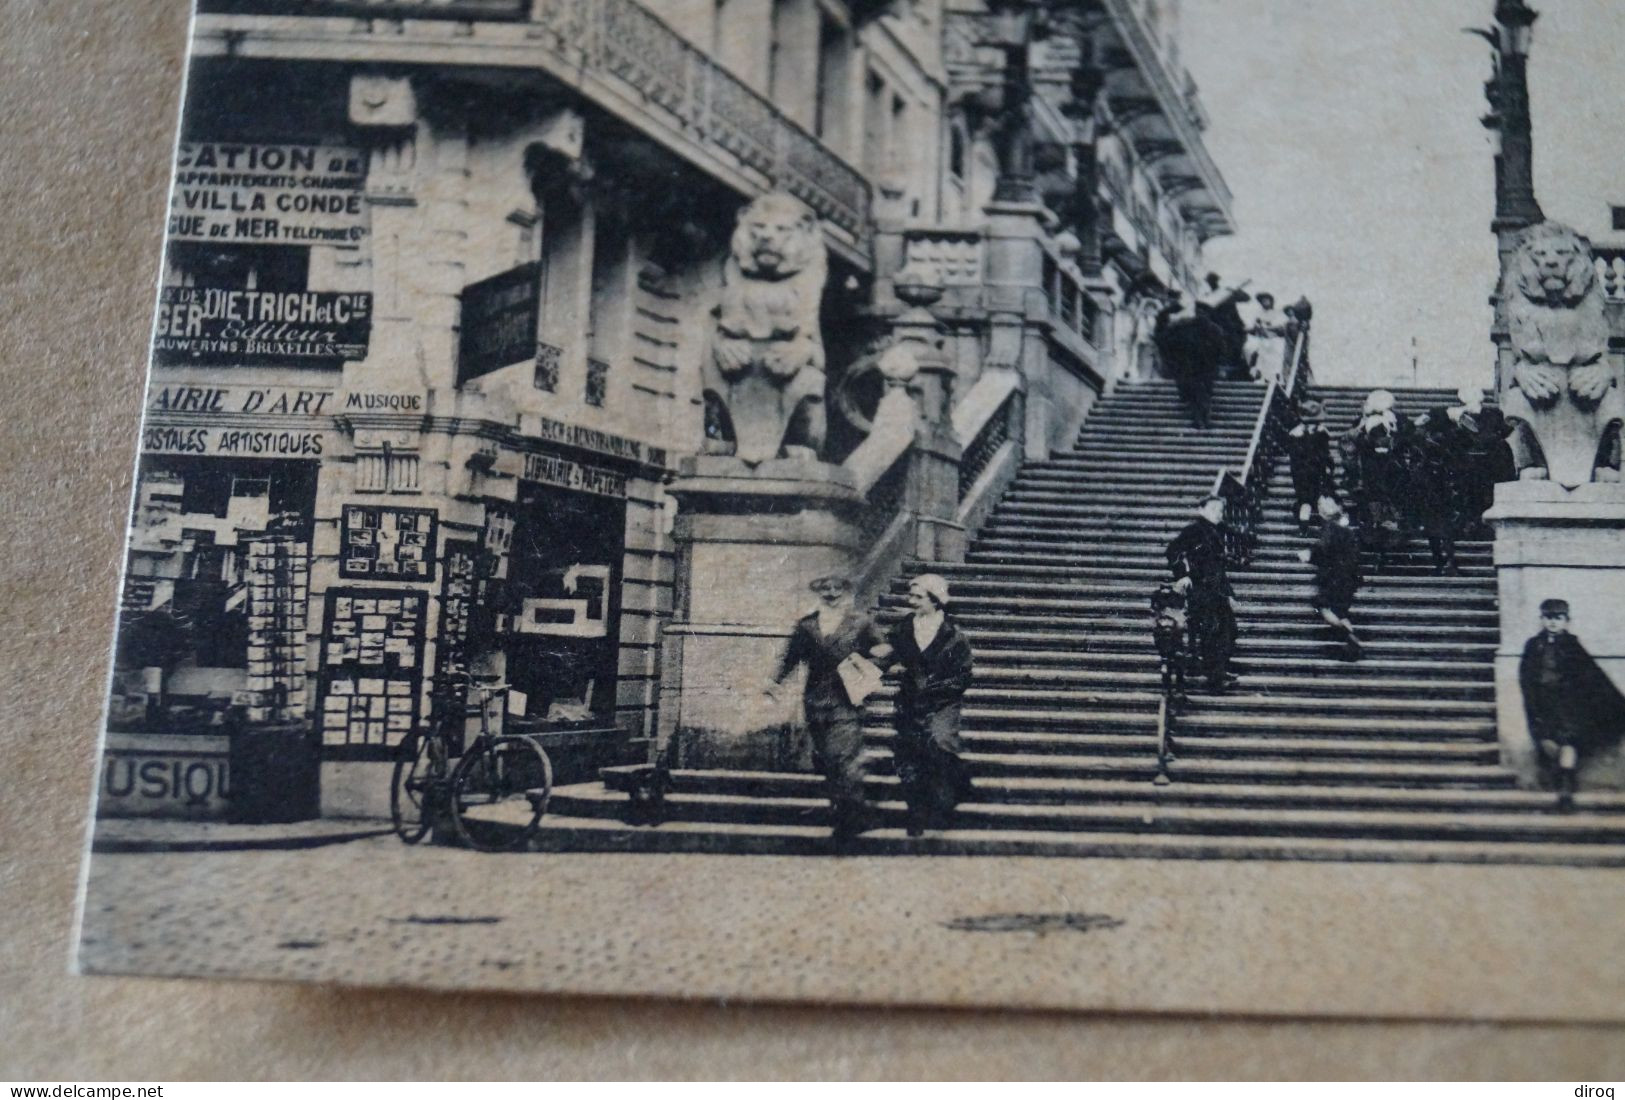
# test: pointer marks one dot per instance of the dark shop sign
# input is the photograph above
(214, 325)
(500, 315)
(578, 476)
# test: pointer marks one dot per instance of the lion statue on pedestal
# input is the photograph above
(764, 377)
(1563, 390)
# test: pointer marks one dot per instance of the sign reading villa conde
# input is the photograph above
(231, 193)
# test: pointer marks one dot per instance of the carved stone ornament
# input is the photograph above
(764, 377)
(1562, 387)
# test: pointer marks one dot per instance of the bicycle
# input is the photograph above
(496, 794)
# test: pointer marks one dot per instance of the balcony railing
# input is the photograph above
(621, 43)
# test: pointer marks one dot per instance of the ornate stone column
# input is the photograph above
(933, 493)
(1015, 279)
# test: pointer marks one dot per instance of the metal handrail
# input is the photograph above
(1243, 492)
(1165, 738)
(1243, 495)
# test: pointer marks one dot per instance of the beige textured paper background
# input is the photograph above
(87, 103)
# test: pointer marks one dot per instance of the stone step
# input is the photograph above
(1197, 446)
(600, 834)
(1412, 593)
(1489, 804)
(1251, 609)
(1286, 748)
(1138, 555)
(1016, 518)
(1132, 427)
(1020, 669)
(1243, 709)
(1203, 743)
(1102, 537)
(1080, 643)
(1130, 459)
(1105, 779)
(1164, 818)
(1374, 634)
(1154, 572)
(1134, 653)
(1129, 483)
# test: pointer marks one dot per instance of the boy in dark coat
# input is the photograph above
(1197, 558)
(1572, 706)
(821, 641)
(1336, 558)
(1309, 447)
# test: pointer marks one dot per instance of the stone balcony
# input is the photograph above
(615, 52)
(958, 257)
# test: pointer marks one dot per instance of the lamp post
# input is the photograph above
(1012, 24)
(1509, 118)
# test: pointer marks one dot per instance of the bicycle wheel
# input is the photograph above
(409, 788)
(499, 793)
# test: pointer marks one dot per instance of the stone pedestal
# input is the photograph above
(1567, 545)
(749, 541)
(1015, 289)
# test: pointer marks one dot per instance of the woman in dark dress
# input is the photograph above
(935, 668)
(1384, 490)
(821, 641)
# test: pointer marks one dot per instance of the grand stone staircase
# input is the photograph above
(1311, 757)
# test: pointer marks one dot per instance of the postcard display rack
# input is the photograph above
(278, 591)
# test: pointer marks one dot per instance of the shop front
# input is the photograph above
(211, 639)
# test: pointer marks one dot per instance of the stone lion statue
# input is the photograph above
(764, 378)
(1562, 389)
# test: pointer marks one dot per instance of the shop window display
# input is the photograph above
(213, 613)
(372, 667)
(564, 604)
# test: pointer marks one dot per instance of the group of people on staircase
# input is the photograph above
(843, 651)
(1202, 338)
(1434, 474)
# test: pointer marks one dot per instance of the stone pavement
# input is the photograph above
(1165, 936)
(138, 834)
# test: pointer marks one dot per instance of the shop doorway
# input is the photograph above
(565, 583)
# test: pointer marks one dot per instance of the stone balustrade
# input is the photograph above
(955, 256)
(1611, 272)
(1070, 304)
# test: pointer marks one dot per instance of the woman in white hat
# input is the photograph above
(935, 665)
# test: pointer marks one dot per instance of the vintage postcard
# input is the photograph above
(1103, 504)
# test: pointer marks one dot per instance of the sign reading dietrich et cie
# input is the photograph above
(205, 324)
(230, 193)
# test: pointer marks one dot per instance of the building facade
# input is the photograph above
(436, 294)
